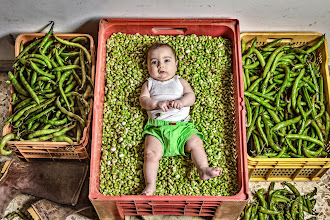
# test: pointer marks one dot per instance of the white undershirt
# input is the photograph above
(163, 91)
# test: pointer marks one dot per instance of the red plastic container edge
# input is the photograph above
(165, 27)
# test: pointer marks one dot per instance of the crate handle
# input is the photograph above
(284, 40)
(168, 30)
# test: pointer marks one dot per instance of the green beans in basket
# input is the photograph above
(282, 203)
(288, 88)
(50, 102)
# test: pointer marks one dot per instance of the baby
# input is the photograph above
(167, 99)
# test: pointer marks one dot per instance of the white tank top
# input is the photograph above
(167, 90)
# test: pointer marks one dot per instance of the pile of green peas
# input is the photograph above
(206, 63)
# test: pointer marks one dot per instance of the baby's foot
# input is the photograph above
(209, 172)
(149, 190)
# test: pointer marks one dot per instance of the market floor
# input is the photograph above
(22, 202)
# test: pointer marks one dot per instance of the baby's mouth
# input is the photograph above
(161, 72)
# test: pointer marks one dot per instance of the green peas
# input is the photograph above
(206, 65)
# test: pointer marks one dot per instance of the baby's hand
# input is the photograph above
(163, 105)
(178, 104)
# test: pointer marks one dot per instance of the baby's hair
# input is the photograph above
(158, 45)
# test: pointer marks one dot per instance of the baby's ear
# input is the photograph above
(176, 63)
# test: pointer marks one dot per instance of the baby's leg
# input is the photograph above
(194, 145)
(153, 152)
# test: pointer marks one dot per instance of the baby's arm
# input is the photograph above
(188, 98)
(148, 103)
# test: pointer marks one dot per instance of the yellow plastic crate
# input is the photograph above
(291, 169)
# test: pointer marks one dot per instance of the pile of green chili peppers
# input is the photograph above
(286, 113)
(52, 90)
(206, 63)
(284, 203)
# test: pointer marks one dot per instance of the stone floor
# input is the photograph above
(22, 202)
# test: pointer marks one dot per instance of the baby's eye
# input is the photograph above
(154, 62)
(167, 60)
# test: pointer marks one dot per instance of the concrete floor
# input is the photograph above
(22, 202)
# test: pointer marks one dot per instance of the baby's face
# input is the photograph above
(162, 65)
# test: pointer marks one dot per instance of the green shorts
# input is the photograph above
(172, 134)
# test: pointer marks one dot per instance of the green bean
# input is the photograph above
(42, 132)
(41, 114)
(267, 211)
(310, 153)
(318, 131)
(248, 112)
(20, 113)
(251, 127)
(264, 96)
(83, 70)
(317, 45)
(27, 49)
(273, 43)
(3, 142)
(45, 39)
(60, 86)
(70, 54)
(22, 104)
(313, 78)
(262, 133)
(252, 66)
(303, 137)
(45, 48)
(55, 134)
(88, 92)
(40, 106)
(271, 59)
(83, 39)
(243, 46)
(55, 122)
(63, 138)
(269, 137)
(294, 92)
(88, 56)
(260, 57)
(58, 59)
(16, 85)
(254, 85)
(40, 71)
(70, 114)
(262, 102)
(286, 123)
(66, 68)
(248, 213)
(28, 87)
(321, 89)
(34, 126)
(284, 85)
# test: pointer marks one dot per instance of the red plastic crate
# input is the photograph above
(221, 207)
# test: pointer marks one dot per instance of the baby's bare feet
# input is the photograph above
(209, 172)
(149, 190)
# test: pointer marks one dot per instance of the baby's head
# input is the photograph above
(161, 61)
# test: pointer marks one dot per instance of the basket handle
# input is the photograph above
(168, 30)
(284, 40)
